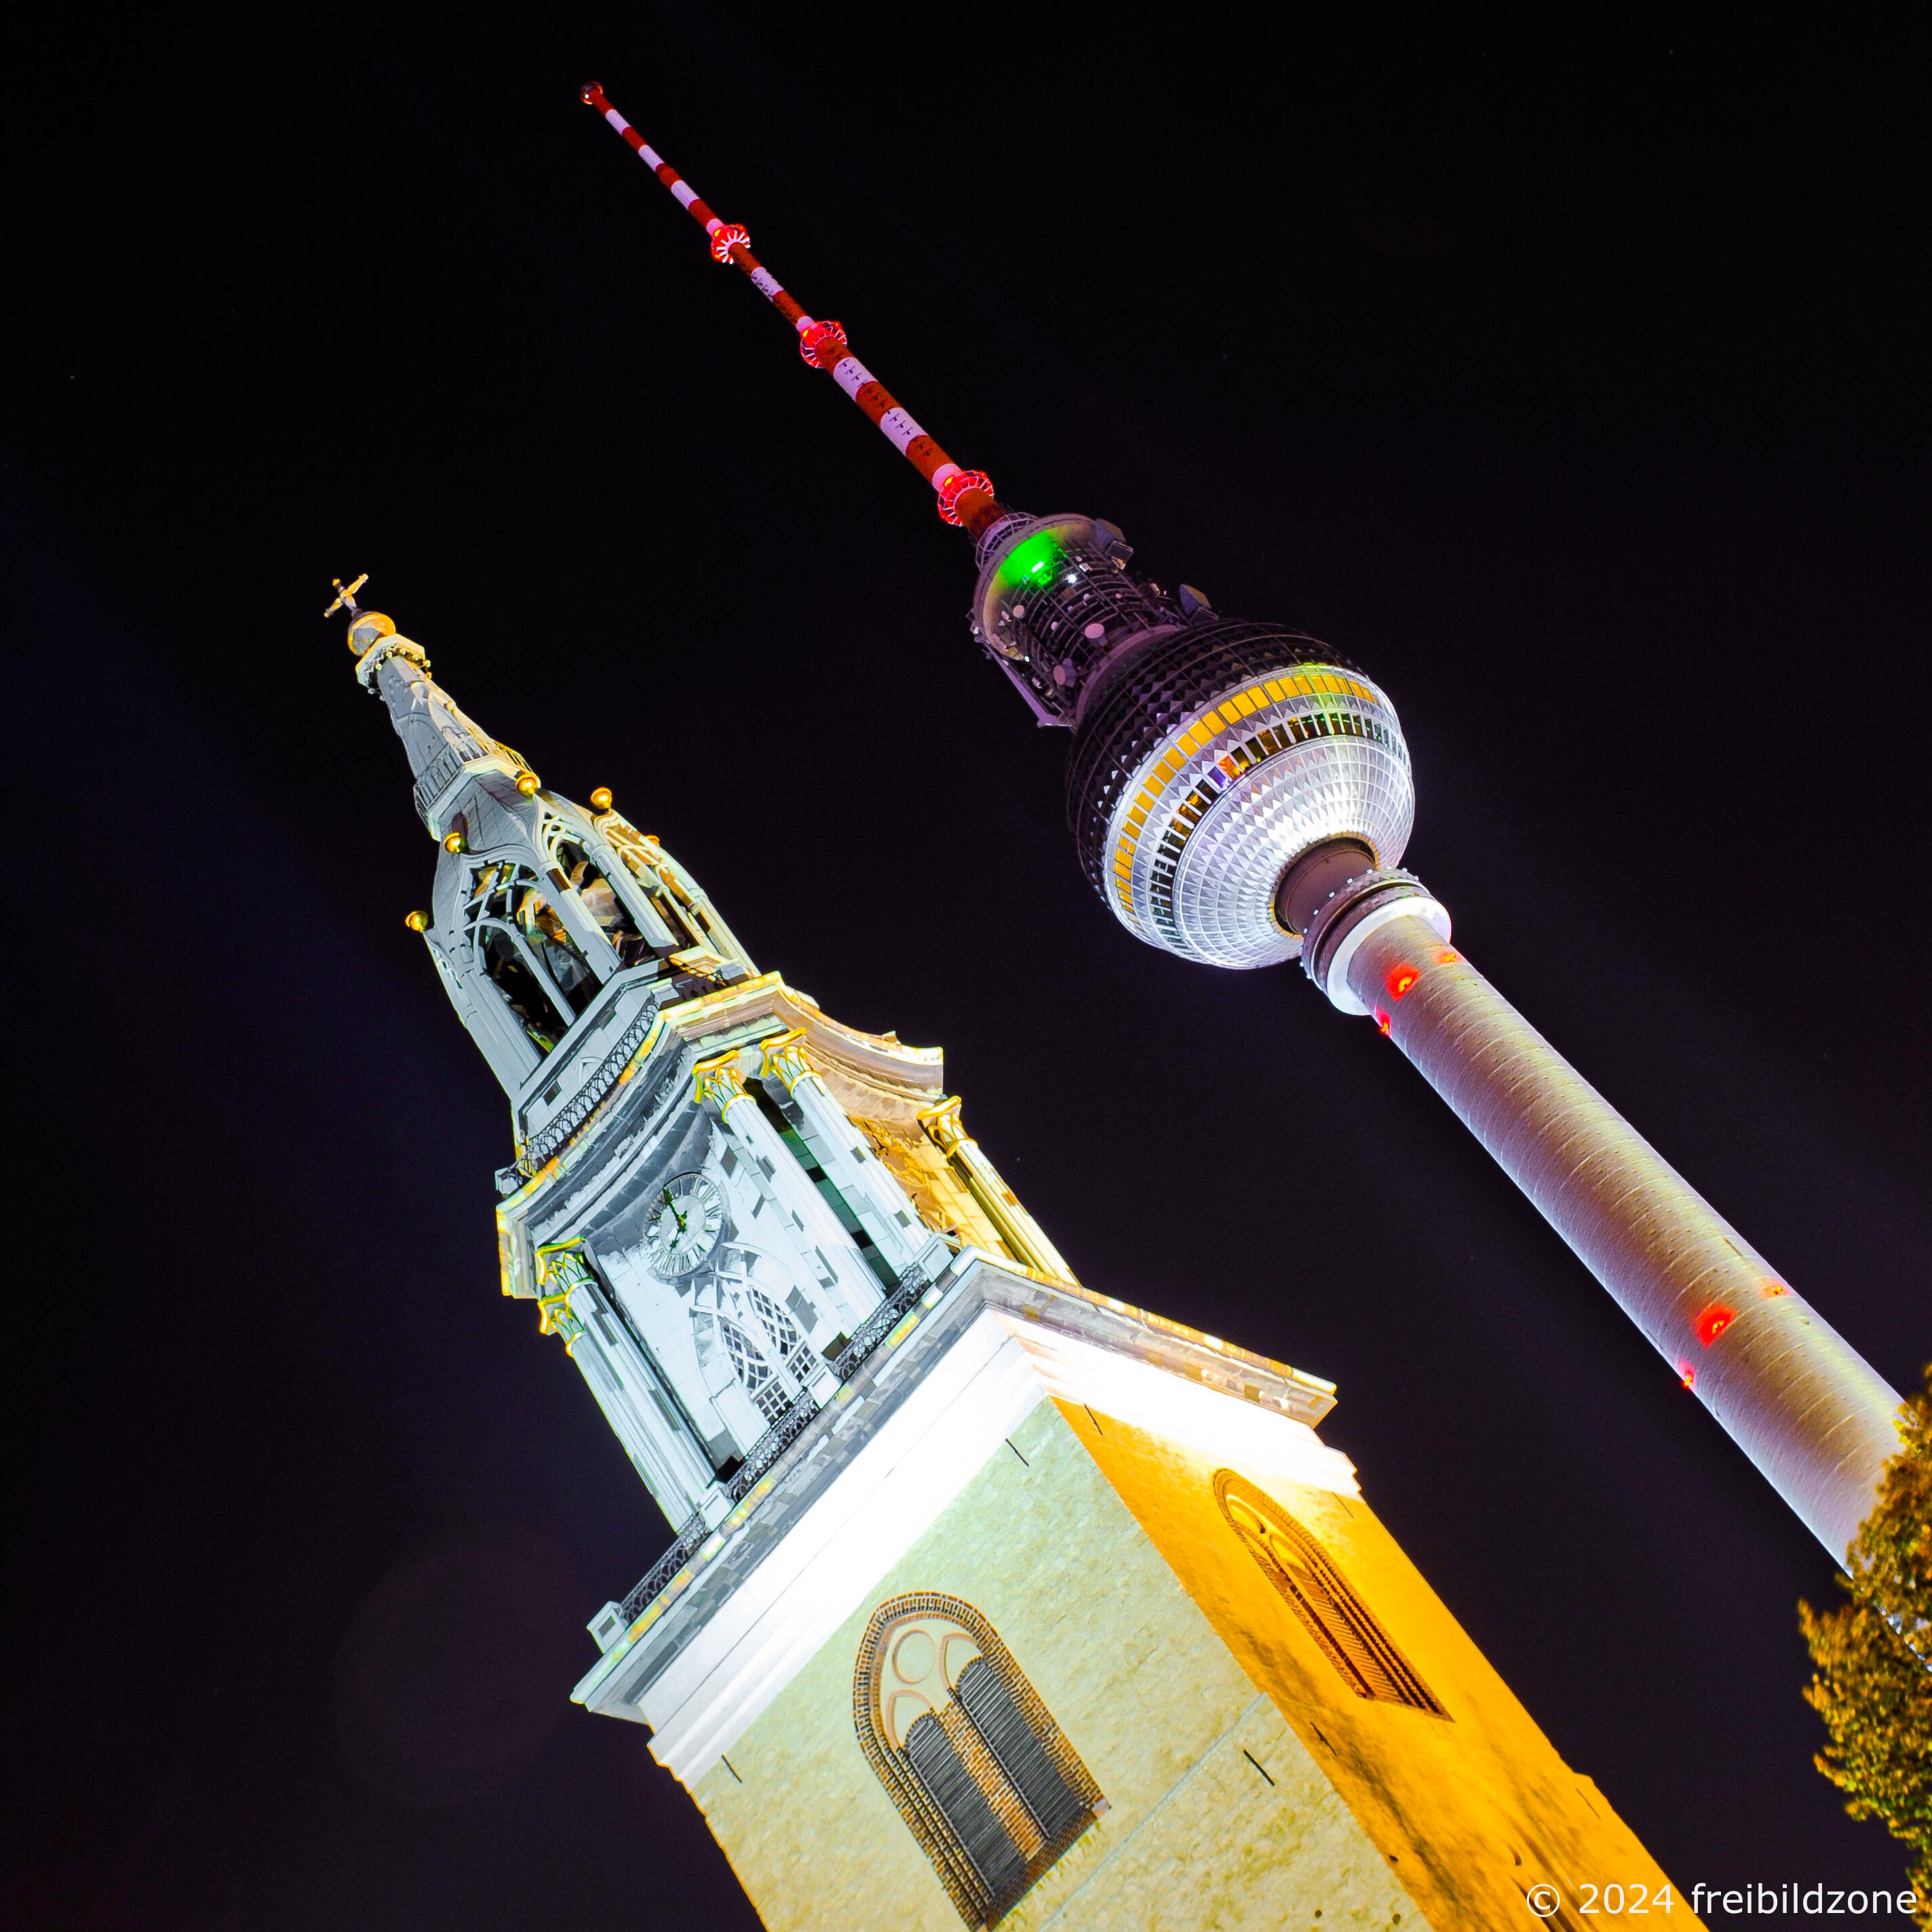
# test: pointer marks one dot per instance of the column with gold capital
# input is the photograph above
(637, 1402)
(1025, 1238)
(878, 1200)
(849, 1286)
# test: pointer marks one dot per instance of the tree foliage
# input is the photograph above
(1872, 1657)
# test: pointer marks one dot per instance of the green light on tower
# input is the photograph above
(1033, 563)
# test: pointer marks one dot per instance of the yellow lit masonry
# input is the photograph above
(1263, 1715)
(991, 1599)
(1080, 1623)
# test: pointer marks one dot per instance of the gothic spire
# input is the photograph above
(446, 747)
(557, 930)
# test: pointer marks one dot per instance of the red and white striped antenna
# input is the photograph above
(965, 495)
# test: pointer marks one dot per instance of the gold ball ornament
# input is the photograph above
(417, 921)
(527, 783)
(369, 629)
(453, 842)
(600, 798)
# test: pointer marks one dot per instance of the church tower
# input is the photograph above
(991, 1599)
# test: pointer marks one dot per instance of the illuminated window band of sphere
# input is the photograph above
(1207, 823)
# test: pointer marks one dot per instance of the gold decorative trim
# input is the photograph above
(1023, 1237)
(944, 1127)
(784, 1057)
(561, 1269)
(717, 1082)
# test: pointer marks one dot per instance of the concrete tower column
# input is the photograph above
(1809, 1411)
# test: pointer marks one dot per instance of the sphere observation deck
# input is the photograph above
(1209, 755)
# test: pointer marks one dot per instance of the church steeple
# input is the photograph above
(444, 745)
(556, 931)
(981, 1577)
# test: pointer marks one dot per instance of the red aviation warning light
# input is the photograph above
(1713, 1321)
(965, 496)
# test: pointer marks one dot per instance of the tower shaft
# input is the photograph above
(1808, 1409)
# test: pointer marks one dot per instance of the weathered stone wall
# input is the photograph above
(1248, 1785)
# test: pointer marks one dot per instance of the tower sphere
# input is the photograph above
(1209, 760)
(369, 629)
(1210, 755)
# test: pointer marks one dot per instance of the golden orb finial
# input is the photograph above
(417, 921)
(600, 798)
(366, 628)
(527, 783)
(452, 841)
(370, 628)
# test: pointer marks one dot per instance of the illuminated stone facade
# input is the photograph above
(992, 1599)
(1247, 1781)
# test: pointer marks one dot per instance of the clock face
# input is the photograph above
(686, 1220)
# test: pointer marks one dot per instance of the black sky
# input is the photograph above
(1574, 387)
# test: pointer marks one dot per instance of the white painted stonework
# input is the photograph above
(916, 1463)
(969, 1400)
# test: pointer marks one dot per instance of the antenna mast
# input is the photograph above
(965, 495)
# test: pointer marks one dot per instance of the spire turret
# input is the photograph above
(558, 930)
(448, 751)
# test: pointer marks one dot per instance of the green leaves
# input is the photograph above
(1872, 1657)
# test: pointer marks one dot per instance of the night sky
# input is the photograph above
(1573, 387)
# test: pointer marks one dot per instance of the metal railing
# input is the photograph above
(584, 1101)
(685, 1545)
(877, 1325)
(769, 1447)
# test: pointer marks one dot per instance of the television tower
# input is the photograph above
(1241, 795)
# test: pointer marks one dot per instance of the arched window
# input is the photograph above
(524, 950)
(782, 1332)
(1320, 1595)
(603, 902)
(985, 1778)
(768, 1351)
(749, 1364)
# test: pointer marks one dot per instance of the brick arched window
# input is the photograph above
(1301, 1570)
(979, 1771)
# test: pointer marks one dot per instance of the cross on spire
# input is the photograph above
(345, 598)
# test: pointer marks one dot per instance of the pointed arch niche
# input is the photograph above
(985, 1779)
(518, 943)
(1350, 1635)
